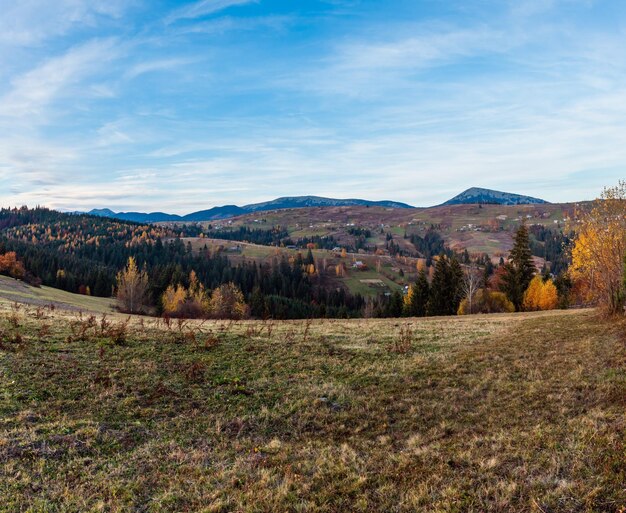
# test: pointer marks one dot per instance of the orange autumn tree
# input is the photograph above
(10, 265)
(599, 250)
(173, 300)
(533, 294)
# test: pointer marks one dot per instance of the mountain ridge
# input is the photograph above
(469, 196)
(492, 197)
(228, 211)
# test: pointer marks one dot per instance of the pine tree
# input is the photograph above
(417, 299)
(309, 260)
(520, 269)
(445, 289)
(394, 307)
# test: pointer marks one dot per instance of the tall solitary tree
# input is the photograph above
(519, 270)
(132, 288)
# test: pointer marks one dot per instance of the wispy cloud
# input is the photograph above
(203, 8)
(157, 65)
(34, 90)
(225, 24)
(30, 22)
(104, 104)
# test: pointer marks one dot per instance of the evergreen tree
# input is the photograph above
(394, 307)
(445, 289)
(415, 305)
(489, 268)
(456, 285)
(309, 260)
(520, 269)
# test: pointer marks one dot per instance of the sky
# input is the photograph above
(180, 106)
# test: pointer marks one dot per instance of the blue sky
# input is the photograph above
(180, 106)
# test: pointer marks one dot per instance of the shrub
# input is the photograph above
(191, 303)
(487, 301)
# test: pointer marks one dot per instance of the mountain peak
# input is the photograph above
(490, 196)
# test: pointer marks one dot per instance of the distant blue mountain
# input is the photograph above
(227, 211)
(470, 196)
(137, 217)
(489, 196)
(216, 213)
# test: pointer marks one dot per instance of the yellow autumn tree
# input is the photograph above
(408, 299)
(549, 298)
(227, 302)
(532, 295)
(540, 295)
(599, 249)
(197, 299)
(173, 300)
(189, 302)
(132, 288)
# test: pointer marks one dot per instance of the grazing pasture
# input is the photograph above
(515, 412)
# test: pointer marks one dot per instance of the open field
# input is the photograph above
(12, 290)
(511, 412)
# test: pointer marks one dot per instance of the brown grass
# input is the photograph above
(484, 413)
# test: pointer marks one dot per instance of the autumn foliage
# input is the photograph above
(227, 302)
(487, 301)
(540, 295)
(132, 288)
(191, 302)
(599, 250)
(11, 266)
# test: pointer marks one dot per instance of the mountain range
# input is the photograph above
(227, 211)
(470, 196)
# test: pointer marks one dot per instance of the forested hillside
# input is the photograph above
(83, 254)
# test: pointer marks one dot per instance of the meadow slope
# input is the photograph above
(517, 412)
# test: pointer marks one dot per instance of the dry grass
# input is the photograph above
(12, 290)
(485, 413)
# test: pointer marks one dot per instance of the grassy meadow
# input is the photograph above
(521, 412)
(12, 290)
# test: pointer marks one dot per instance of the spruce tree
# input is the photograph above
(445, 289)
(520, 268)
(394, 307)
(420, 292)
(456, 285)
